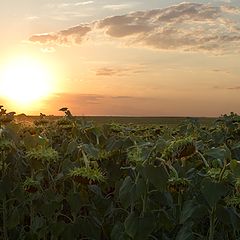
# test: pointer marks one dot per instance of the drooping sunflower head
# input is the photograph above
(87, 175)
(181, 148)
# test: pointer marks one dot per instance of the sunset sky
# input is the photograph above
(109, 57)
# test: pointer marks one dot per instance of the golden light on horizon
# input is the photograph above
(25, 80)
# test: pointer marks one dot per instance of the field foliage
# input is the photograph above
(72, 179)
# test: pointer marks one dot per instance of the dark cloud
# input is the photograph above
(186, 27)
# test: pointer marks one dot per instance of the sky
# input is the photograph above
(130, 58)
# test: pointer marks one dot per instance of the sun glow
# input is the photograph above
(25, 80)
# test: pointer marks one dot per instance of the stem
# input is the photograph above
(222, 171)
(61, 214)
(213, 212)
(165, 163)
(149, 154)
(5, 233)
(4, 201)
(179, 207)
(50, 177)
(144, 199)
(31, 213)
(173, 170)
(203, 159)
(85, 159)
(212, 223)
(74, 187)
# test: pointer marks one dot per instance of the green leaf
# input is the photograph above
(235, 167)
(72, 147)
(236, 151)
(185, 233)
(57, 229)
(30, 141)
(87, 228)
(49, 209)
(131, 224)
(156, 175)
(146, 225)
(216, 154)
(91, 150)
(213, 191)
(126, 192)
(5, 186)
(163, 220)
(37, 223)
(141, 188)
(14, 219)
(74, 200)
(223, 215)
(235, 219)
(188, 210)
(69, 232)
(139, 227)
(118, 232)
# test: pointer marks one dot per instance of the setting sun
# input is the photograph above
(25, 80)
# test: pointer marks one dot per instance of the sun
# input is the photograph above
(25, 80)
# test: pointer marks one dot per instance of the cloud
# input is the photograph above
(71, 99)
(131, 98)
(32, 18)
(117, 6)
(97, 104)
(230, 9)
(105, 71)
(227, 88)
(48, 50)
(218, 70)
(84, 3)
(73, 35)
(234, 88)
(119, 71)
(187, 26)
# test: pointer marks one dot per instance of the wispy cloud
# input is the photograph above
(234, 88)
(117, 6)
(84, 3)
(71, 4)
(219, 70)
(190, 27)
(107, 71)
(227, 88)
(99, 104)
(32, 18)
(119, 71)
(48, 50)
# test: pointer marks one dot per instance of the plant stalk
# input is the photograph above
(212, 223)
